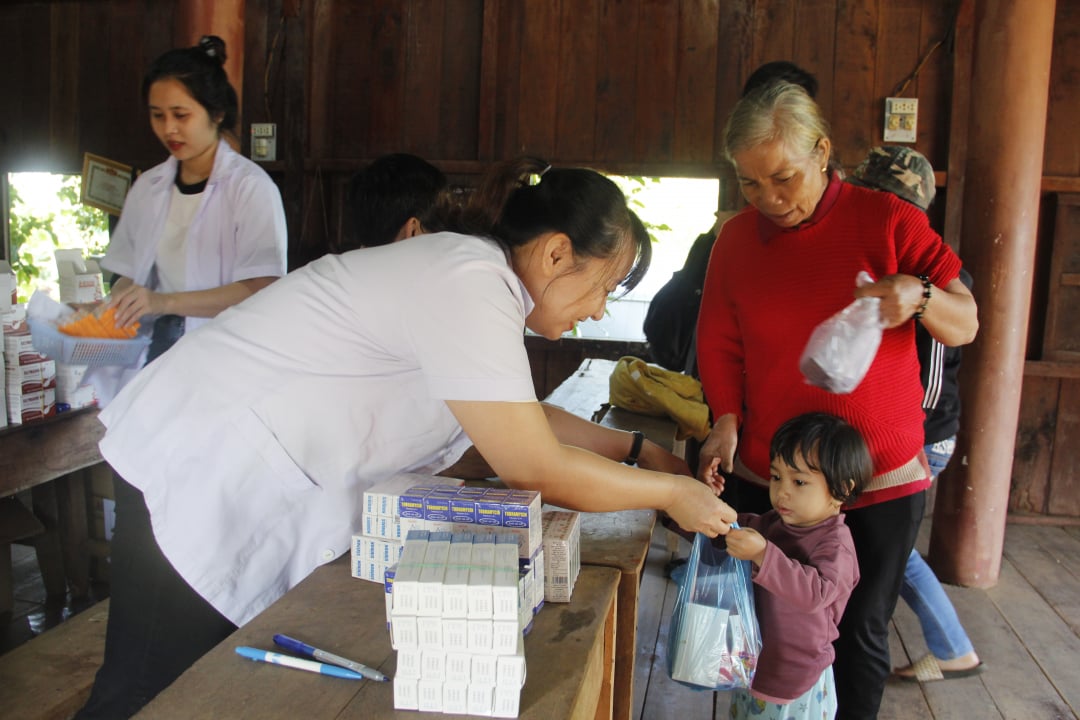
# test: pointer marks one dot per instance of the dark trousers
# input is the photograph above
(158, 626)
(167, 330)
(884, 535)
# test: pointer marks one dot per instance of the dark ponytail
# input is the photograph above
(201, 69)
(523, 198)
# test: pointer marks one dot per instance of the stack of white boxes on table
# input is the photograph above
(459, 613)
(29, 376)
(463, 589)
(378, 547)
(421, 502)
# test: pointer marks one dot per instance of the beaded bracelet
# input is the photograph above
(926, 286)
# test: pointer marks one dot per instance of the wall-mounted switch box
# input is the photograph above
(901, 116)
(264, 142)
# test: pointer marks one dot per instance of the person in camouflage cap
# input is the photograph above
(900, 170)
(908, 174)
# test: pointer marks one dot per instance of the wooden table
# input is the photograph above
(573, 671)
(618, 540)
(568, 657)
(49, 458)
(586, 393)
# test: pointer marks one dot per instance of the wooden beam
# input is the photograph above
(224, 18)
(1010, 92)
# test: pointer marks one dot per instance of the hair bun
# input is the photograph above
(213, 46)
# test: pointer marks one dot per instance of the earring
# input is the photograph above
(824, 168)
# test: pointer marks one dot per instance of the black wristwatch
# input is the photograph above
(635, 448)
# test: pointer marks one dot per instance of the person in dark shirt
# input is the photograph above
(908, 174)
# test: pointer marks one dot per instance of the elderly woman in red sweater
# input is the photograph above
(779, 268)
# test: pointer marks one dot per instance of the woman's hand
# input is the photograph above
(696, 508)
(132, 302)
(718, 452)
(746, 544)
(901, 296)
(655, 457)
(949, 314)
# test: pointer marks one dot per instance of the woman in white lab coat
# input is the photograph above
(253, 439)
(204, 229)
(198, 233)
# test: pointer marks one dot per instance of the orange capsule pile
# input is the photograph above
(89, 323)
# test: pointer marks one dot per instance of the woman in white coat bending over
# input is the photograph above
(199, 233)
(204, 229)
(254, 438)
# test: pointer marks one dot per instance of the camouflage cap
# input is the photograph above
(900, 170)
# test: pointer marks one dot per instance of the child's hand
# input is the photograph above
(717, 453)
(710, 475)
(746, 544)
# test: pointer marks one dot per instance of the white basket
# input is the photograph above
(85, 350)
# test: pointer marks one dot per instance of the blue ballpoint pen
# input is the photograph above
(304, 649)
(298, 663)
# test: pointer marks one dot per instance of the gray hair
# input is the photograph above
(775, 111)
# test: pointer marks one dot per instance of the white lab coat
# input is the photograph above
(237, 233)
(255, 436)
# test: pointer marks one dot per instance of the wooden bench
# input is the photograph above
(49, 677)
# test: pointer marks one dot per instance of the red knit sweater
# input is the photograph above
(767, 289)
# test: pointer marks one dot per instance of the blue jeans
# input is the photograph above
(922, 590)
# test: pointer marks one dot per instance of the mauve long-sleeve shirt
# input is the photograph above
(800, 592)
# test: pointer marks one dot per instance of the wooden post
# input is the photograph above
(224, 18)
(1006, 132)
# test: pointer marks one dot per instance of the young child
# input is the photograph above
(804, 566)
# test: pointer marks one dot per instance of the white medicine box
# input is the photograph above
(80, 278)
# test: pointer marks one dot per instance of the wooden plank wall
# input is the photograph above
(625, 85)
(632, 86)
(73, 82)
(629, 86)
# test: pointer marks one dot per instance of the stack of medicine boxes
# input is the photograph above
(29, 376)
(457, 620)
(423, 502)
(378, 548)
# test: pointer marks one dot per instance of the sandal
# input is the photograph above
(927, 669)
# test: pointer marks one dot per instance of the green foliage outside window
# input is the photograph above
(38, 230)
(632, 186)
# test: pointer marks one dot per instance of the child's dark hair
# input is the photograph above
(201, 69)
(389, 191)
(520, 199)
(829, 445)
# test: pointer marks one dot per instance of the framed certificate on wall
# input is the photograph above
(105, 183)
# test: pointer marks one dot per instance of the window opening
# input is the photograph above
(45, 214)
(674, 211)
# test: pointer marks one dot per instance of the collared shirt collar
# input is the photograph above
(768, 229)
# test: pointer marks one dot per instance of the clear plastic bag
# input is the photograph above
(841, 349)
(714, 640)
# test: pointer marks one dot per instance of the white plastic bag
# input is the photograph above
(841, 349)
